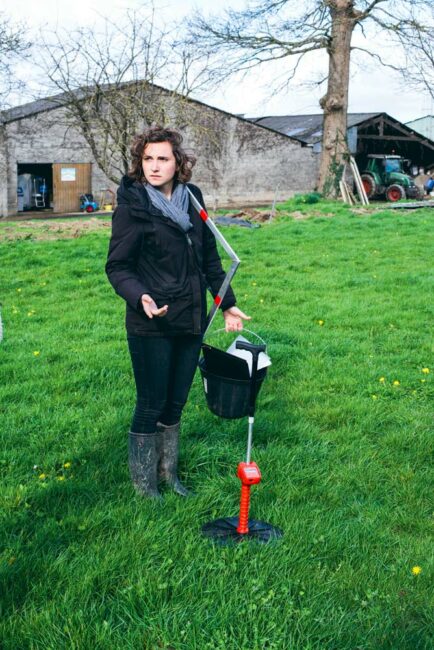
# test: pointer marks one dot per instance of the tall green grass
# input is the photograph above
(345, 303)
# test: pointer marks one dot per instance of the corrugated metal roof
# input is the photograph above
(307, 128)
(39, 106)
(50, 103)
(420, 119)
(31, 108)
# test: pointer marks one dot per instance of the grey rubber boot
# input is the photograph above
(142, 461)
(168, 450)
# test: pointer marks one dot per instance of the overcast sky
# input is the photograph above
(371, 90)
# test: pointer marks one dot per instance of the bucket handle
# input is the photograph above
(222, 329)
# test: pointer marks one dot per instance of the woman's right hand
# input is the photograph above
(151, 309)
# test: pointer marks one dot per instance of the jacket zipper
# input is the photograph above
(192, 256)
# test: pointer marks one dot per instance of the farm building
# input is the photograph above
(368, 133)
(423, 125)
(239, 162)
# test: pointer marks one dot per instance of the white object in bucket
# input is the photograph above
(263, 359)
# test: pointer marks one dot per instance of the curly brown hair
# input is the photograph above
(185, 161)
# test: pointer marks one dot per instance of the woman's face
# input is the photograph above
(159, 166)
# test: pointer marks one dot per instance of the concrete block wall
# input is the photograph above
(239, 163)
(46, 137)
(3, 172)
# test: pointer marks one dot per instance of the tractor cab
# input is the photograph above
(392, 165)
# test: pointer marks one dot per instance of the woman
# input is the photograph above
(162, 257)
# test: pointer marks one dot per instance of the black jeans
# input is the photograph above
(163, 368)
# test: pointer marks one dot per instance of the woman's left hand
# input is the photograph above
(234, 319)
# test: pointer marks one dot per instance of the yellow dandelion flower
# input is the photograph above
(42, 477)
(425, 371)
(396, 382)
(374, 396)
(36, 353)
(60, 478)
(67, 465)
(321, 323)
(416, 570)
(382, 380)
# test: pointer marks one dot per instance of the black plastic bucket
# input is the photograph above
(227, 397)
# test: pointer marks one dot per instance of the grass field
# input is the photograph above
(343, 436)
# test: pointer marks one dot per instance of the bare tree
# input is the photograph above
(290, 30)
(418, 45)
(106, 80)
(13, 45)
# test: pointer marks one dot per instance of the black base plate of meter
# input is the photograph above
(224, 531)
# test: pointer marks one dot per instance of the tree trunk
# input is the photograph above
(335, 101)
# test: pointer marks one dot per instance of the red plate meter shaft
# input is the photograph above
(249, 475)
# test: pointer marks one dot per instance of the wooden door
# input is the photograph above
(69, 181)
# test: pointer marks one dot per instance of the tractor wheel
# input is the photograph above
(369, 184)
(89, 208)
(395, 193)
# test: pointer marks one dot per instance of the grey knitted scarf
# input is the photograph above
(176, 208)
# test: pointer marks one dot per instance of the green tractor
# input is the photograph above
(384, 176)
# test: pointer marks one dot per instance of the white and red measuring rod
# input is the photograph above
(235, 259)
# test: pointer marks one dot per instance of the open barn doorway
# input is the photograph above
(35, 186)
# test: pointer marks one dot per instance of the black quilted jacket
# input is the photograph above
(149, 253)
